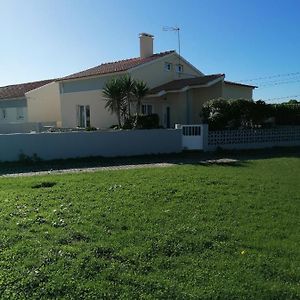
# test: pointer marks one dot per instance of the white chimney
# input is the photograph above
(146, 44)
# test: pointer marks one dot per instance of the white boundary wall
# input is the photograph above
(284, 136)
(49, 146)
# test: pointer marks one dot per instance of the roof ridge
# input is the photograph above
(23, 83)
(138, 57)
(137, 60)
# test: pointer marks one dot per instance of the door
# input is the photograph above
(83, 116)
(167, 117)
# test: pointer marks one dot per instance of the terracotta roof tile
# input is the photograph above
(19, 90)
(117, 66)
(182, 83)
(241, 84)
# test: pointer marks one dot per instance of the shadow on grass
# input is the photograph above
(46, 184)
(223, 158)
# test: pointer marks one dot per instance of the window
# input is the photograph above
(168, 66)
(3, 114)
(83, 116)
(179, 68)
(147, 109)
(20, 113)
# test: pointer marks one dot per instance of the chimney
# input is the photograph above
(146, 45)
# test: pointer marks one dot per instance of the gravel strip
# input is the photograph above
(222, 161)
(87, 170)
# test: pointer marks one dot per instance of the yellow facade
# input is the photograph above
(44, 104)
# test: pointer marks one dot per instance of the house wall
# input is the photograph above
(85, 84)
(177, 104)
(10, 108)
(44, 104)
(154, 73)
(231, 91)
(100, 116)
(89, 92)
(186, 105)
(202, 95)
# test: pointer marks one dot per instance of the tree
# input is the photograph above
(120, 93)
(129, 86)
(114, 96)
(140, 91)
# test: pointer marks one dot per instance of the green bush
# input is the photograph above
(232, 114)
(287, 114)
(148, 121)
(142, 122)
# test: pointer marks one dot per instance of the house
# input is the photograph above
(177, 92)
(13, 102)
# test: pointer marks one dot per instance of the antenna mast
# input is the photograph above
(169, 28)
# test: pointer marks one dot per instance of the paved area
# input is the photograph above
(120, 167)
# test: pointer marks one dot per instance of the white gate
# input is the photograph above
(192, 136)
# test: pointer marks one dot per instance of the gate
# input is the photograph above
(192, 136)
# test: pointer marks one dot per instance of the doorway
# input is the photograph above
(167, 117)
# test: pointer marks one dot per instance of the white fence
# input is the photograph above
(62, 145)
(95, 143)
(253, 138)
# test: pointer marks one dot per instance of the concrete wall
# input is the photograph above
(43, 104)
(232, 91)
(84, 144)
(284, 136)
(100, 116)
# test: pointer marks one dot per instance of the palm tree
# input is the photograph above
(114, 95)
(128, 89)
(140, 91)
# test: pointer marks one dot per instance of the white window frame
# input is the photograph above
(146, 111)
(179, 68)
(168, 66)
(86, 116)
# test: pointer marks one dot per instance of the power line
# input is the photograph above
(278, 83)
(271, 76)
(280, 80)
(284, 97)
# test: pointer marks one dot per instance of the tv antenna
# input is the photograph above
(175, 29)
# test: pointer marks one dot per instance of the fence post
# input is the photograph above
(205, 136)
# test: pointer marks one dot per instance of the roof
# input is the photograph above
(19, 90)
(241, 84)
(117, 66)
(182, 83)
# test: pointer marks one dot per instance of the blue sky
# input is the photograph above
(43, 39)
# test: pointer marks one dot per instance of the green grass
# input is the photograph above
(184, 232)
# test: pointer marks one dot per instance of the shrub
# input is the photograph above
(147, 121)
(287, 114)
(230, 114)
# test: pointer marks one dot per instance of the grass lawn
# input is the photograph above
(183, 232)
